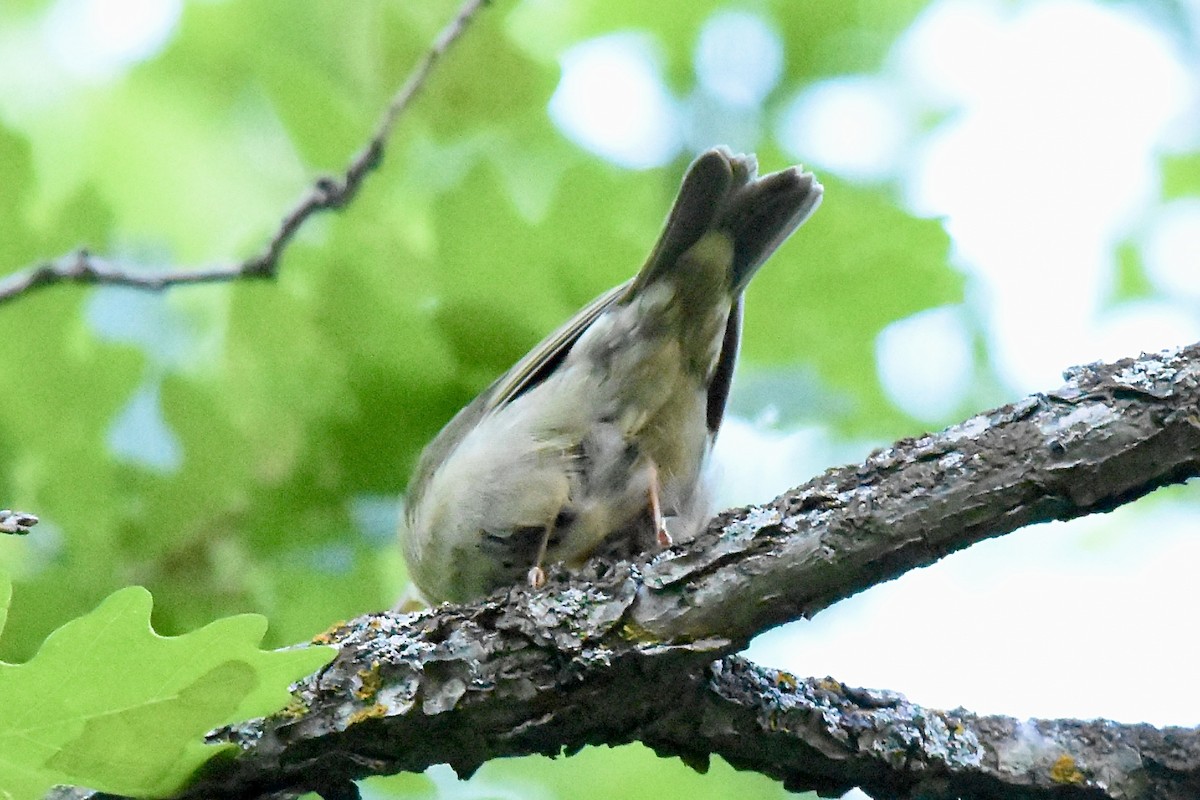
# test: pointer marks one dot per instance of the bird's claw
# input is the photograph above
(536, 577)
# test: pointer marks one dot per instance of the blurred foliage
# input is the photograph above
(298, 407)
(1180, 175)
(631, 771)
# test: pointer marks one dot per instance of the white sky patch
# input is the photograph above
(149, 321)
(1145, 326)
(708, 120)
(739, 58)
(140, 433)
(949, 52)
(1171, 250)
(925, 363)
(1045, 164)
(612, 101)
(854, 126)
(1065, 611)
(754, 463)
(95, 39)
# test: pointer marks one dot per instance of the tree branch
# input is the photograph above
(625, 652)
(820, 734)
(327, 193)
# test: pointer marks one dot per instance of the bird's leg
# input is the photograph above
(536, 575)
(660, 527)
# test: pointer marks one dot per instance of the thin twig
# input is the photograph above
(327, 193)
(18, 522)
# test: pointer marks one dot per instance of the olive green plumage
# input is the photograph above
(557, 458)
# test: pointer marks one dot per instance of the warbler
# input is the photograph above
(595, 442)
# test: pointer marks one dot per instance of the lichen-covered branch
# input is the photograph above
(626, 652)
(327, 193)
(819, 734)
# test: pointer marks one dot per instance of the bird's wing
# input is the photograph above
(543, 359)
(537, 365)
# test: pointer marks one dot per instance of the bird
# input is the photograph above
(596, 441)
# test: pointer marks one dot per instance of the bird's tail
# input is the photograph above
(722, 191)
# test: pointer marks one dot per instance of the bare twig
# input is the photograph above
(18, 522)
(327, 193)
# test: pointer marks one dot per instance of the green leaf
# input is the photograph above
(840, 38)
(111, 750)
(109, 704)
(1181, 175)
(631, 771)
(17, 180)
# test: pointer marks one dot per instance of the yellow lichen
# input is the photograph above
(633, 632)
(329, 635)
(369, 682)
(1065, 771)
(786, 680)
(294, 709)
(370, 712)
